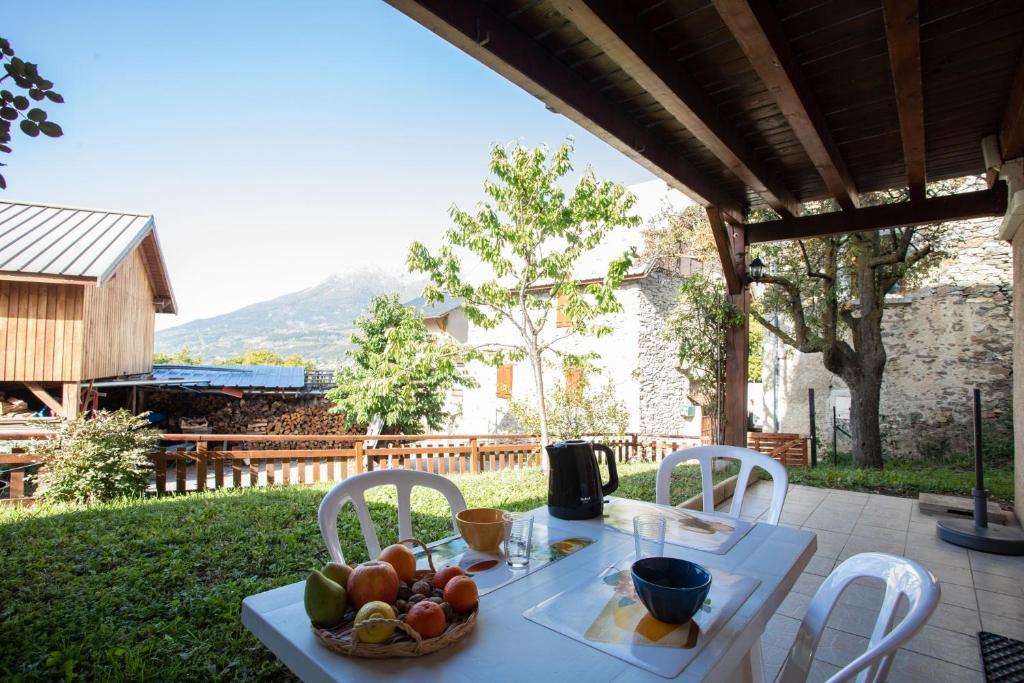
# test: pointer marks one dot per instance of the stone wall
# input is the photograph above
(663, 388)
(1018, 376)
(951, 335)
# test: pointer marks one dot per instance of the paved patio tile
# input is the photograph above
(854, 618)
(898, 522)
(949, 574)
(831, 521)
(795, 605)
(808, 584)
(924, 527)
(781, 631)
(998, 584)
(821, 671)
(1012, 567)
(821, 565)
(949, 646)
(1003, 605)
(839, 648)
(772, 658)
(961, 596)
(927, 556)
(830, 543)
(956, 619)
(1004, 626)
(867, 531)
(862, 544)
(912, 666)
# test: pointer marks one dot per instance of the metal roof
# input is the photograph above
(79, 245)
(435, 310)
(237, 376)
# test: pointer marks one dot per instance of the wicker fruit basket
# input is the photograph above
(405, 642)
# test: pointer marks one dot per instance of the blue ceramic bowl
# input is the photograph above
(671, 589)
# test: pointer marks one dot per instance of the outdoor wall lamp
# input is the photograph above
(756, 269)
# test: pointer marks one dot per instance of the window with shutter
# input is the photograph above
(573, 378)
(561, 319)
(504, 389)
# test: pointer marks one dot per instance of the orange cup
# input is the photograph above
(482, 528)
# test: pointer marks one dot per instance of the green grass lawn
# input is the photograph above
(907, 477)
(152, 589)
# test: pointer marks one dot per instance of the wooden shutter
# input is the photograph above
(562, 320)
(573, 377)
(504, 389)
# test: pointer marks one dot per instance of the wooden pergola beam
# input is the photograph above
(43, 395)
(614, 27)
(1011, 132)
(757, 30)
(726, 246)
(903, 35)
(478, 30)
(991, 202)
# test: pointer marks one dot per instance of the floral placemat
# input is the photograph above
(489, 570)
(710, 532)
(605, 613)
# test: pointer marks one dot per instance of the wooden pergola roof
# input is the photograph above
(750, 103)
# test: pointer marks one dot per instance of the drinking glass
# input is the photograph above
(518, 539)
(649, 536)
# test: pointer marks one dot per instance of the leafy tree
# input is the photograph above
(268, 357)
(96, 458)
(575, 411)
(182, 356)
(16, 107)
(829, 294)
(699, 324)
(529, 237)
(397, 371)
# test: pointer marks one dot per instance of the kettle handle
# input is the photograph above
(613, 476)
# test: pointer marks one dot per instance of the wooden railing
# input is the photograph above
(215, 461)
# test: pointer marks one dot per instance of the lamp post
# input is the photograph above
(756, 269)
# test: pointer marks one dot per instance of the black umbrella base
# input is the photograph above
(996, 539)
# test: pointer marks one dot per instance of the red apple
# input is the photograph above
(374, 580)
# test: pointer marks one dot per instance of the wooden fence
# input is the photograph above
(199, 462)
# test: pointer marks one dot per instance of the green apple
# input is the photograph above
(338, 573)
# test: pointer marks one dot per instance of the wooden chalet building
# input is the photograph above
(79, 292)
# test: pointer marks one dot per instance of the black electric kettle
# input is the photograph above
(575, 490)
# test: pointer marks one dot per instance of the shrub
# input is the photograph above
(98, 458)
(575, 411)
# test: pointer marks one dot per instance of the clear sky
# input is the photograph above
(275, 142)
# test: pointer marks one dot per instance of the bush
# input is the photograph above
(97, 459)
(575, 411)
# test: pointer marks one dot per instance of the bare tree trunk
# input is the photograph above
(865, 429)
(542, 405)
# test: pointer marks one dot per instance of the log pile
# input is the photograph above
(259, 414)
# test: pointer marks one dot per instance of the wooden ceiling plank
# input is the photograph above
(488, 37)
(903, 34)
(614, 27)
(991, 202)
(760, 36)
(1011, 132)
(726, 250)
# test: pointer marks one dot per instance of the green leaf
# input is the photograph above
(54, 97)
(21, 103)
(3, 183)
(36, 94)
(37, 115)
(30, 129)
(7, 95)
(9, 113)
(51, 129)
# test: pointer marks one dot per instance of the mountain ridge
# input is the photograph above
(315, 322)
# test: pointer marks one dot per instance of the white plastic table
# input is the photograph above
(505, 646)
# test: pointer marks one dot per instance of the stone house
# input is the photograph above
(637, 359)
(953, 333)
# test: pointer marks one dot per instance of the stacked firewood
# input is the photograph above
(259, 414)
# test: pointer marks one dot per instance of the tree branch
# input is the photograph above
(807, 261)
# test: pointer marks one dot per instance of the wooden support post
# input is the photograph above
(359, 457)
(254, 473)
(737, 351)
(474, 457)
(161, 475)
(69, 399)
(180, 470)
(218, 470)
(201, 466)
(236, 472)
(17, 484)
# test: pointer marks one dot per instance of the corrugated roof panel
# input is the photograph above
(56, 240)
(236, 376)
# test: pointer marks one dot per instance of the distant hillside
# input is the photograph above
(315, 323)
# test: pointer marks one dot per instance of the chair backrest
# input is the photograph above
(354, 489)
(903, 578)
(748, 459)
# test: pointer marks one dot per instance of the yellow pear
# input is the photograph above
(338, 573)
(325, 600)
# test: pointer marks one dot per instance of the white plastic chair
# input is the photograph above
(748, 461)
(354, 489)
(903, 577)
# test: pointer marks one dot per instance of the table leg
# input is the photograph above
(751, 668)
